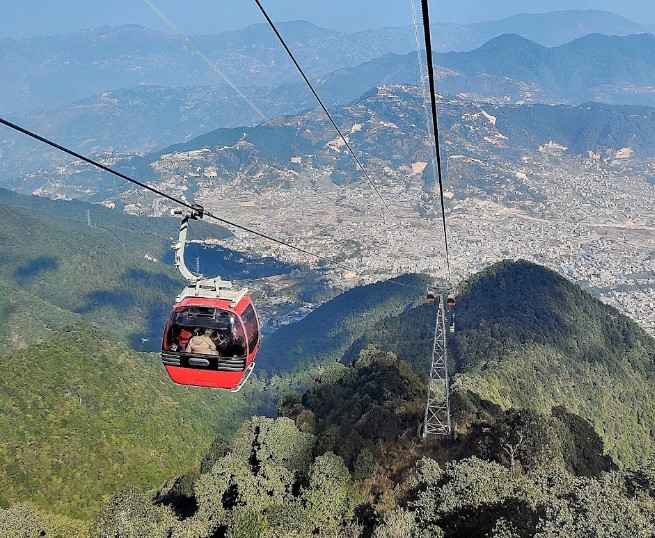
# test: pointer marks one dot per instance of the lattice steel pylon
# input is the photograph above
(437, 409)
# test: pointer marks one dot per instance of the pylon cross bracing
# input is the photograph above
(437, 409)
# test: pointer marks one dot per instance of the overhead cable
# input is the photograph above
(357, 160)
(147, 187)
(182, 203)
(435, 120)
(213, 66)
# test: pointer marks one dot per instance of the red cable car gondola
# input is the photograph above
(212, 335)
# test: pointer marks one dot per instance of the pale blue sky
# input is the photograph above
(36, 17)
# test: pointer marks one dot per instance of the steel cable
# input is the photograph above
(357, 160)
(435, 120)
(125, 177)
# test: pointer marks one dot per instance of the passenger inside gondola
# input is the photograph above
(237, 341)
(200, 333)
(183, 338)
(202, 343)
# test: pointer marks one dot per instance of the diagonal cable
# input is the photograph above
(212, 65)
(322, 104)
(435, 121)
(147, 187)
(182, 203)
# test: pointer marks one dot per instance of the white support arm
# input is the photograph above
(179, 248)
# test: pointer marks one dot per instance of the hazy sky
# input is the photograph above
(34, 17)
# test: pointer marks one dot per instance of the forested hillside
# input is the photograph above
(533, 354)
(541, 448)
(55, 269)
(346, 462)
(83, 416)
(327, 332)
(73, 298)
(529, 339)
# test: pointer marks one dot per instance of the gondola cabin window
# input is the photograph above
(252, 327)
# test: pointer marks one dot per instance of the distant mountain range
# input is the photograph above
(507, 69)
(145, 118)
(595, 67)
(387, 127)
(38, 72)
(612, 69)
(558, 27)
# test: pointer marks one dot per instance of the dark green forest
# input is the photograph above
(110, 273)
(528, 338)
(83, 416)
(343, 459)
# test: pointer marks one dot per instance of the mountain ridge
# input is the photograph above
(526, 338)
(596, 67)
(505, 69)
(144, 56)
(390, 115)
(554, 28)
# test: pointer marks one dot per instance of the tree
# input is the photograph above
(380, 400)
(504, 529)
(470, 496)
(511, 445)
(247, 524)
(131, 514)
(276, 441)
(27, 521)
(597, 508)
(402, 524)
(259, 476)
(364, 465)
(521, 436)
(328, 502)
